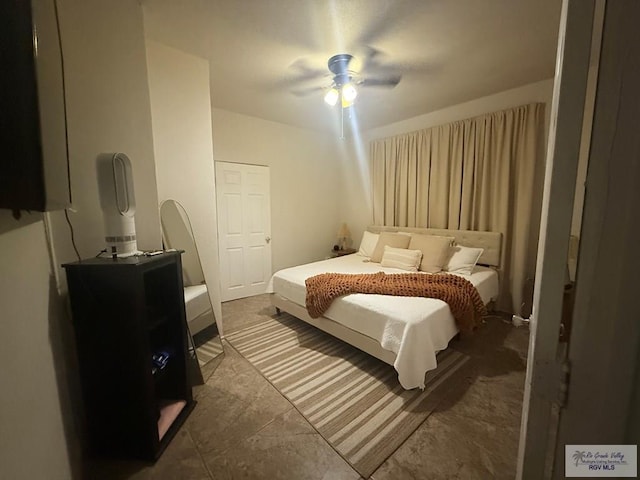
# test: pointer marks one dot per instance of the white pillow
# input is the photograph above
(401, 258)
(463, 259)
(368, 244)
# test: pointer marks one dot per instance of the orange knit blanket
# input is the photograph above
(460, 294)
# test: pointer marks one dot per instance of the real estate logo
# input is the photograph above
(601, 460)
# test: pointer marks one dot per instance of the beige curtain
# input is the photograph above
(483, 173)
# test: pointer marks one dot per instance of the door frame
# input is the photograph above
(544, 365)
(217, 163)
(603, 403)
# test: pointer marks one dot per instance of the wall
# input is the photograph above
(533, 92)
(585, 142)
(331, 174)
(108, 110)
(32, 428)
(583, 161)
(306, 182)
(356, 167)
(181, 114)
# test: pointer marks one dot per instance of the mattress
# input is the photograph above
(414, 328)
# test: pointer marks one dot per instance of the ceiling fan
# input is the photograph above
(348, 75)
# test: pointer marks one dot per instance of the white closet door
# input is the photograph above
(244, 229)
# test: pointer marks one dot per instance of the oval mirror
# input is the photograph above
(177, 233)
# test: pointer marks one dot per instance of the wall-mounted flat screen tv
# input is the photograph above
(33, 161)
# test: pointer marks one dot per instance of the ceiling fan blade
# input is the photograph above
(303, 78)
(303, 92)
(306, 72)
(390, 81)
(365, 59)
(374, 63)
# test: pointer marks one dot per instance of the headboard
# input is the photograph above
(490, 241)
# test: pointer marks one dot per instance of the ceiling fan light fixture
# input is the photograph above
(331, 97)
(349, 92)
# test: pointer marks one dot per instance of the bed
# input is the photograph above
(405, 332)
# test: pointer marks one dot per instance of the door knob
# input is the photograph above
(267, 238)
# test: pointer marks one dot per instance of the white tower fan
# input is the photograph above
(118, 202)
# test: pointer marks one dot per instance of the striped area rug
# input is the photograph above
(351, 398)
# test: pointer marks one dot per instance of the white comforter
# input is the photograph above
(414, 328)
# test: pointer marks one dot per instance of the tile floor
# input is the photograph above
(242, 427)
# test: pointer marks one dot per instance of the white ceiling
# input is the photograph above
(447, 51)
